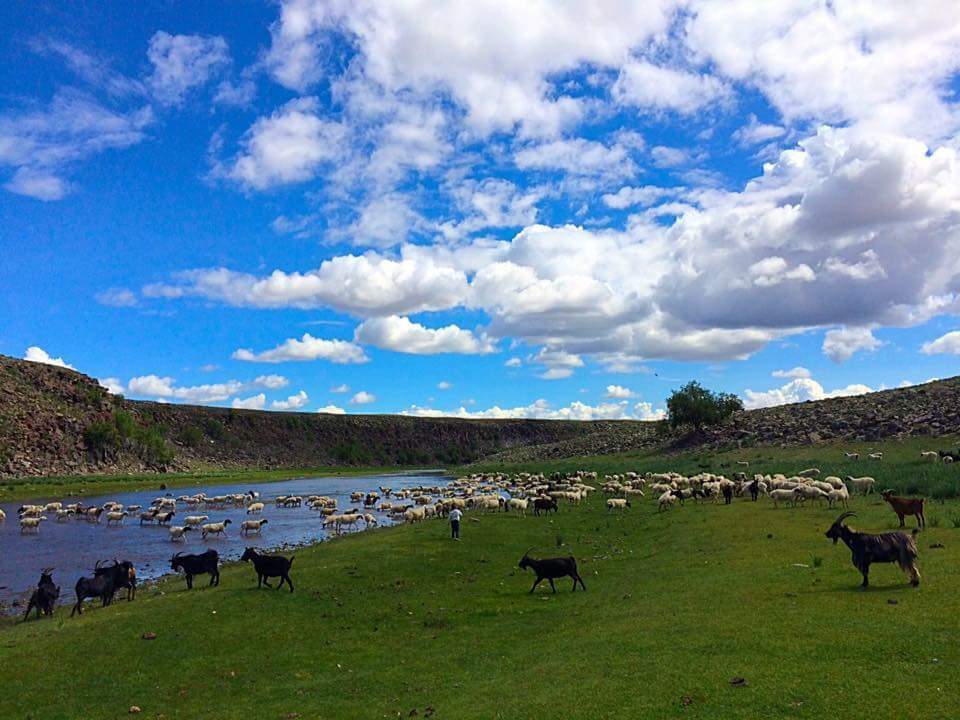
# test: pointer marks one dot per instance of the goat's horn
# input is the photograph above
(527, 553)
(844, 516)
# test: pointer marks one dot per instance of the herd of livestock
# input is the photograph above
(521, 493)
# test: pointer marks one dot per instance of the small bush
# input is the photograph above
(214, 429)
(101, 440)
(817, 561)
(190, 436)
(125, 424)
(152, 447)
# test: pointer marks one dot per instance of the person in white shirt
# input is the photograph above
(455, 516)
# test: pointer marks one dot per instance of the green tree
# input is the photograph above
(695, 405)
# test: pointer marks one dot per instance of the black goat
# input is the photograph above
(98, 586)
(552, 568)
(44, 598)
(544, 505)
(867, 549)
(124, 576)
(754, 489)
(268, 566)
(207, 563)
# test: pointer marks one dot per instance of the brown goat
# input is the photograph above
(906, 506)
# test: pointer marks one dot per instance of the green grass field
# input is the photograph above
(391, 621)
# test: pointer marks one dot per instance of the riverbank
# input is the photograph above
(59, 487)
(401, 619)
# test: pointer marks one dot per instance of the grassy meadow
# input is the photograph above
(678, 605)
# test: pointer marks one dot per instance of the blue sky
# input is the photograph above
(483, 209)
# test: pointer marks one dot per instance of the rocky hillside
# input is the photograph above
(931, 409)
(56, 421)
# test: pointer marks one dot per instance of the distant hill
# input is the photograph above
(55, 421)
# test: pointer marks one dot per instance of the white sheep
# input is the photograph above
(620, 504)
(835, 482)
(255, 508)
(31, 523)
(863, 484)
(666, 500)
(947, 459)
(875, 456)
(809, 492)
(219, 528)
(369, 519)
(930, 455)
(414, 515)
(519, 505)
(253, 526)
(195, 521)
(783, 495)
(3, 515)
(116, 517)
(841, 495)
(809, 473)
(179, 533)
(852, 455)
(352, 519)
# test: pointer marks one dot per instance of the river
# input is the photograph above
(74, 546)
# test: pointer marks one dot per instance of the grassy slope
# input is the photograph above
(901, 469)
(33, 488)
(396, 619)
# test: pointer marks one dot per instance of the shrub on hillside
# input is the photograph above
(101, 440)
(695, 405)
(190, 436)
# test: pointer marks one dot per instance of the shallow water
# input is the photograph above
(73, 547)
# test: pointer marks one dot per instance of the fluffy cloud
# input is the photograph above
(339, 389)
(401, 335)
(363, 398)
(117, 297)
(541, 409)
(798, 390)
(444, 385)
(655, 87)
(646, 195)
(294, 402)
(794, 374)
(493, 58)
(852, 226)
(356, 284)
(39, 355)
(182, 62)
(113, 385)
(306, 348)
(756, 132)
(618, 391)
(254, 402)
(165, 388)
(271, 382)
(841, 344)
(948, 344)
(288, 146)
(332, 410)
(42, 144)
(577, 157)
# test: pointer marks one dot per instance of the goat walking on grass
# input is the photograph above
(867, 549)
(906, 507)
(552, 568)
